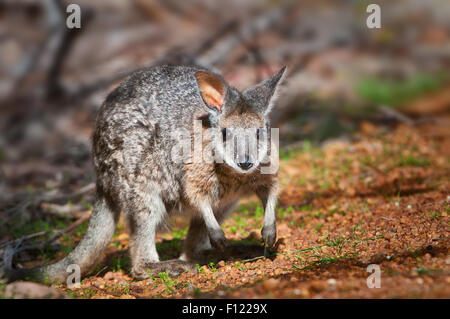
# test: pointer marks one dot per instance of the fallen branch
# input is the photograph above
(10, 251)
(246, 32)
(395, 115)
(47, 197)
(63, 211)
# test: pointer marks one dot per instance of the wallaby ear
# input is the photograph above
(263, 94)
(212, 89)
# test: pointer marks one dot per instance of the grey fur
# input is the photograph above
(132, 146)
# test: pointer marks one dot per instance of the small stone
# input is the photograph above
(305, 293)
(206, 270)
(317, 286)
(23, 290)
(221, 263)
(109, 275)
(332, 281)
(271, 284)
(351, 191)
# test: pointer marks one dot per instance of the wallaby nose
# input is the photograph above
(246, 164)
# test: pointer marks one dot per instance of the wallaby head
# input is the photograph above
(239, 120)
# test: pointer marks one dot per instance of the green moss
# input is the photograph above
(395, 92)
(413, 161)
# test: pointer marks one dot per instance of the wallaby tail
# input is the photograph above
(101, 228)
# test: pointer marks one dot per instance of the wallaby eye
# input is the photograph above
(226, 134)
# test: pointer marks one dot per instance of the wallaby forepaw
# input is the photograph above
(217, 239)
(269, 235)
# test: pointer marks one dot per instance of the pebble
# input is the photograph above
(317, 286)
(324, 249)
(332, 281)
(109, 275)
(278, 272)
(25, 290)
(271, 284)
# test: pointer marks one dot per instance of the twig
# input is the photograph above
(57, 233)
(246, 32)
(49, 197)
(209, 42)
(26, 237)
(376, 169)
(252, 259)
(390, 219)
(396, 115)
(64, 211)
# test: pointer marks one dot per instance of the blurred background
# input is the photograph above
(342, 76)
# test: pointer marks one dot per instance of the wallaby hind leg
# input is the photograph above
(143, 222)
(197, 246)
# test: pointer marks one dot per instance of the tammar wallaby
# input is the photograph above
(139, 175)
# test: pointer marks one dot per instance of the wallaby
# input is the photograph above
(139, 175)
